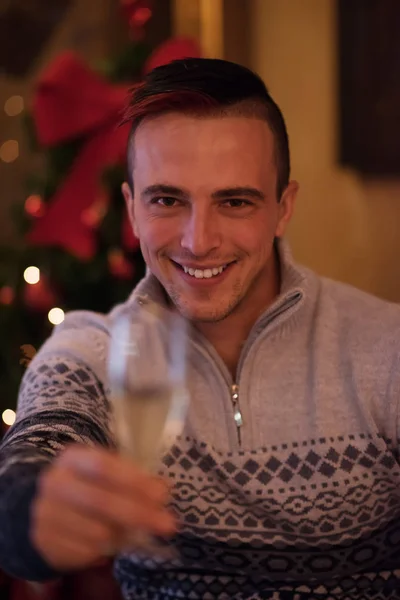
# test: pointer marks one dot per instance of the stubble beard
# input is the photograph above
(211, 314)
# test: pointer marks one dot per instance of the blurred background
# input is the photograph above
(65, 67)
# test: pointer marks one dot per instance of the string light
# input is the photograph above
(8, 417)
(14, 106)
(9, 151)
(56, 316)
(32, 275)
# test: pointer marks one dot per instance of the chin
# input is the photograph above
(202, 314)
(208, 310)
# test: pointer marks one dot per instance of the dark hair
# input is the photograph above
(207, 85)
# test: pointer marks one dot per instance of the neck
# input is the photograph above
(229, 335)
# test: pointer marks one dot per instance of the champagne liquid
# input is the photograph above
(147, 418)
(141, 419)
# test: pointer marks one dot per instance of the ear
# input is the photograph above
(286, 207)
(127, 194)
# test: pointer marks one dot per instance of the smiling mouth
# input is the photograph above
(209, 273)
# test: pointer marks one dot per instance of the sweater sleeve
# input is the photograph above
(62, 400)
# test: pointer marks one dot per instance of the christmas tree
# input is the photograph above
(76, 248)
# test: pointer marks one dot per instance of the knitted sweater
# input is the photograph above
(304, 503)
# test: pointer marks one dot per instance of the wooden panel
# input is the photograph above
(369, 78)
(237, 31)
(186, 18)
(221, 26)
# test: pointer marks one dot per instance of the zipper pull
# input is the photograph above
(237, 415)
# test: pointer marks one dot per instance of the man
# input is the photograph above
(284, 483)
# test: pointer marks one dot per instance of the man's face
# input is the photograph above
(206, 212)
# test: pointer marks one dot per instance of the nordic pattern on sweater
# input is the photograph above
(297, 517)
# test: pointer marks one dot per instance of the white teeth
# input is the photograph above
(204, 274)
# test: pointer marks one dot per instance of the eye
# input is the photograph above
(237, 203)
(166, 201)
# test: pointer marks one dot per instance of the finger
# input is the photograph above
(112, 469)
(104, 540)
(121, 510)
(76, 526)
(66, 553)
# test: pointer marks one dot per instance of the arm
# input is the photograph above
(62, 401)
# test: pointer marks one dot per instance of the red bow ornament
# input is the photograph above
(73, 102)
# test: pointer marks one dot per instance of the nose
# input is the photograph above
(202, 233)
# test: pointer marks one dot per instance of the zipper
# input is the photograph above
(234, 389)
(285, 307)
(237, 415)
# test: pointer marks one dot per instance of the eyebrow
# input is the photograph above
(234, 192)
(241, 191)
(160, 189)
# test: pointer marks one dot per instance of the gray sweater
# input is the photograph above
(303, 502)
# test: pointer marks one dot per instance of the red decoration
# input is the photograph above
(7, 295)
(39, 296)
(137, 13)
(119, 266)
(72, 101)
(173, 49)
(34, 206)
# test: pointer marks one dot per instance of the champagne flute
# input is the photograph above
(147, 375)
